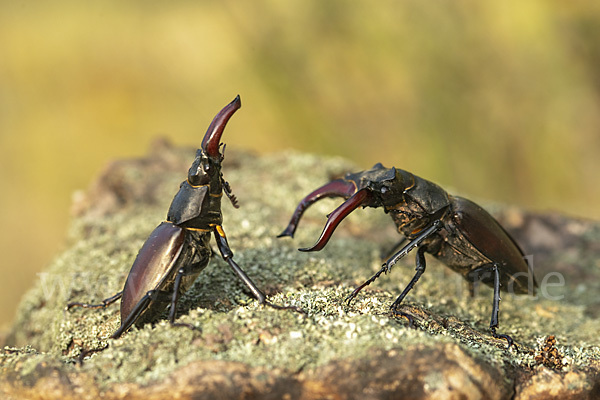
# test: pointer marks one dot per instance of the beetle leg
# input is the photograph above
(366, 283)
(387, 266)
(103, 304)
(227, 255)
(496, 308)
(175, 299)
(135, 312)
(420, 259)
(424, 234)
(87, 352)
(153, 295)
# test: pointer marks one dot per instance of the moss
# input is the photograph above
(232, 327)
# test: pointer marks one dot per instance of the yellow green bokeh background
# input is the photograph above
(498, 100)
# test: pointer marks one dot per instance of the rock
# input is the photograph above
(243, 350)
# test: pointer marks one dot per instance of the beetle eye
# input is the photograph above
(198, 180)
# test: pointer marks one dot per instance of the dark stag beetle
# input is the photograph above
(179, 248)
(455, 230)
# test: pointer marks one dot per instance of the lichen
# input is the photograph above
(232, 326)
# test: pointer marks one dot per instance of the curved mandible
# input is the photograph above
(335, 188)
(359, 198)
(212, 138)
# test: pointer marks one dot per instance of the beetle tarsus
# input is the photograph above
(227, 255)
(397, 313)
(387, 266)
(509, 340)
(185, 325)
(87, 352)
(420, 260)
(372, 279)
(280, 307)
(496, 309)
(105, 303)
(175, 299)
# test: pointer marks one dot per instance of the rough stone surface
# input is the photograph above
(243, 350)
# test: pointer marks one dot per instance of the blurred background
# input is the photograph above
(497, 100)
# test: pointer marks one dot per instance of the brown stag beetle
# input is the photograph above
(455, 230)
(179, 248)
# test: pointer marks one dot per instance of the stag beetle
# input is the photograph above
(179, 248)
(453, 229)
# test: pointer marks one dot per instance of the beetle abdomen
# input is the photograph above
(153, 265)
(483, 233)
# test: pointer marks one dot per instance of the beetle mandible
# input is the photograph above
(453, 229)
(179, 249)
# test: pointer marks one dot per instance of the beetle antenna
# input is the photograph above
(229, 193)
(226, 187)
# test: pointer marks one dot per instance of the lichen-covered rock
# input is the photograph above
(244, 350)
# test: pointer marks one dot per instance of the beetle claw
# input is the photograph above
(87, 352)
(350, 297)
(278, 307)
(397, 313)
(186, 325)
(509, 340)
(386, 267)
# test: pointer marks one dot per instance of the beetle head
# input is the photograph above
(376, 187)
(386, 185)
